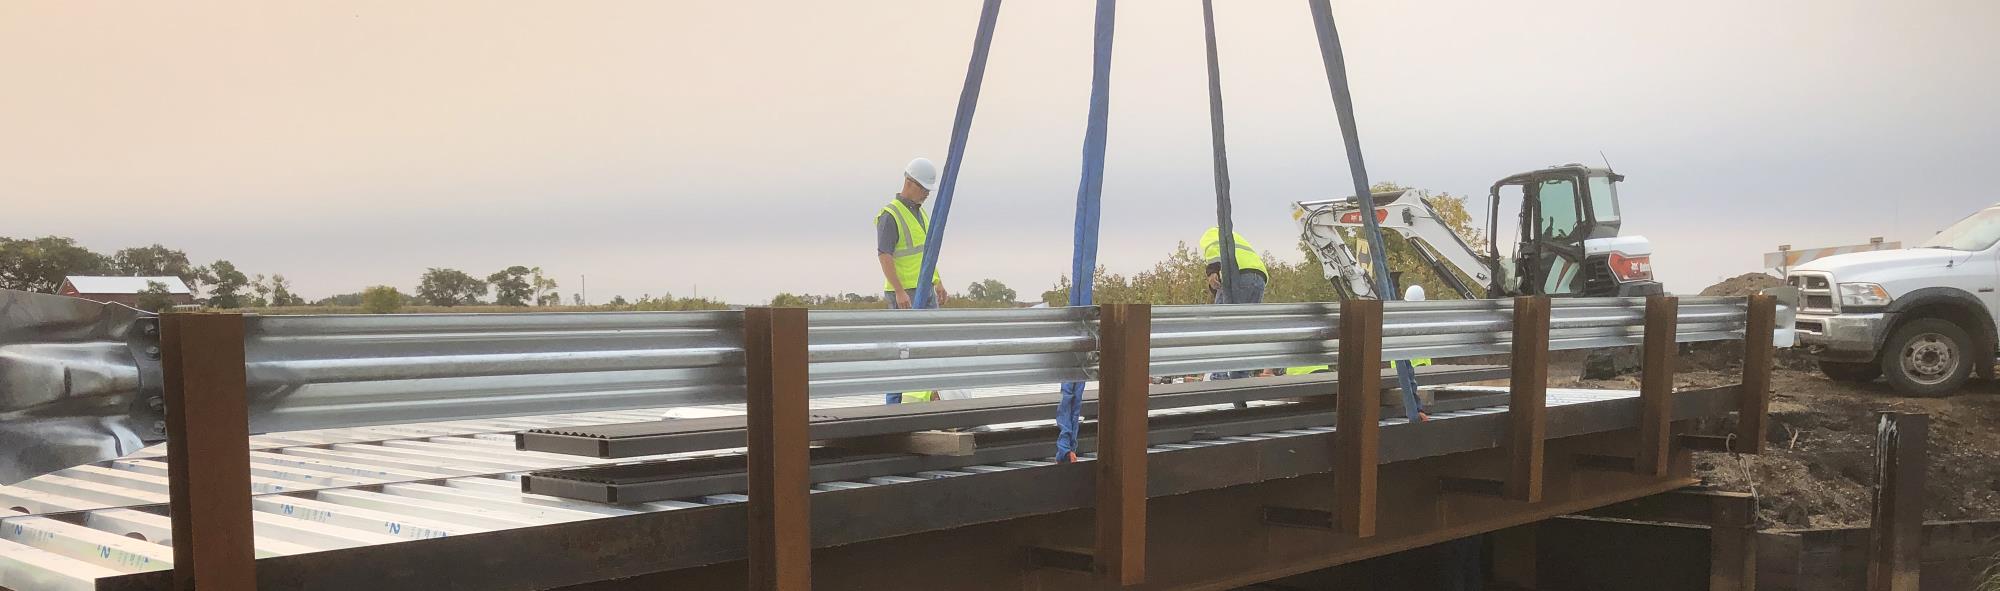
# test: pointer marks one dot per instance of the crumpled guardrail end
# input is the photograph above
(71, 384)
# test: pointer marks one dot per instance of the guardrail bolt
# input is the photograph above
(152, 352)
(156, 403)
(151, 329)
(159, 426)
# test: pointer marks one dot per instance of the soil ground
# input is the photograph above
(1820, 463)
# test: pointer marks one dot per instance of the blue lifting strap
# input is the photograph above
(1343, 108)
(961, 126)
(1224, 224)
(1083, 265)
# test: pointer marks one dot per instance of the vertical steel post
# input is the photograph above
(1755, 401)
(1125, 335)
(208, 451)
(1357, 417)
(1527, 399)
(1896, 533)
(1656, 385)
(780, 536)
(1732, 543)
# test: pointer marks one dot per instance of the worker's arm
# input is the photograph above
(889, 273)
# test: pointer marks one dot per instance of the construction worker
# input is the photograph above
(1416, 294)
(900, 230)
(1250, 273)
(1250, 279)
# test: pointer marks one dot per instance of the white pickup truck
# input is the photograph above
(1921, 317)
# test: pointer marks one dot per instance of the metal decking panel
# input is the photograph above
(421, 495)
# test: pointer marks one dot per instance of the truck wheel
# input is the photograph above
(1847, 371)
(1927, 357)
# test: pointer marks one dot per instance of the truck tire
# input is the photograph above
(1848, 371)
(1927, 357)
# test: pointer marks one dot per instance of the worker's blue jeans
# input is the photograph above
(1249, 290)
(889, 297)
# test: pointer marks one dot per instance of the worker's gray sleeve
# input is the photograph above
(885, 234)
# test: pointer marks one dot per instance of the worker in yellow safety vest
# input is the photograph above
(1414, 294)
(900, 232)
(1250, 279)
(1250, 273)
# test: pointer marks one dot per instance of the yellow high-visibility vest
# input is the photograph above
(909, 254)
(1246, 255)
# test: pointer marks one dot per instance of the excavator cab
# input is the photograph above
(1568, 243)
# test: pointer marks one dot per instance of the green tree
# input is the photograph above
(450, 287)
(1300, 281)
(791, 300)
(156, 261)
(345, 299)
(511, 286)
(40, 264)
(545, 289)
(618, 301)
(260, 292)
(381, 299)
(281, 293)
(990, 290)
(225, 284)
(155, 297)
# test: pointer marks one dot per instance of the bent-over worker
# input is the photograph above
(1250, 279)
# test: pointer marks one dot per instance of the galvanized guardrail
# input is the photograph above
(81, 381)
(328, 371)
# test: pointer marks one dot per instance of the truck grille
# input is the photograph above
(1816, 289)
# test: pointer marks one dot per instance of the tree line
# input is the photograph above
(40, 264)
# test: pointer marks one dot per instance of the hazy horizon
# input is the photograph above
(744, 147)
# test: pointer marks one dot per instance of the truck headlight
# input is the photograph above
(1863, 294)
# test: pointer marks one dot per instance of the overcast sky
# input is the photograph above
(744, 147)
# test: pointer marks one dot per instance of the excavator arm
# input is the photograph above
(1325, 224)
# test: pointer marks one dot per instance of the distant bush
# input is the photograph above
(381, 299)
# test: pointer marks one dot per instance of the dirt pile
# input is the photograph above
(1820, 459)
(1743, 285)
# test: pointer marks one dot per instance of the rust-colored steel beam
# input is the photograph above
(208, 451)
(780, 516)
(1896, 533)
(1732, 543)
(1751, 417)
(1125, 338)
(1357, 416)
(1527, 400)
(1656, 384)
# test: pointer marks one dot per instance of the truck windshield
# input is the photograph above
(1977, 232)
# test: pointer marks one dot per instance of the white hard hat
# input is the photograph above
(1414, 294)
(922, 171)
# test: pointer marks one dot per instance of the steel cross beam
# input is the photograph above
(1206, 531)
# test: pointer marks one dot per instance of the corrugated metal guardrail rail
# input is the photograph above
(312, 372)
